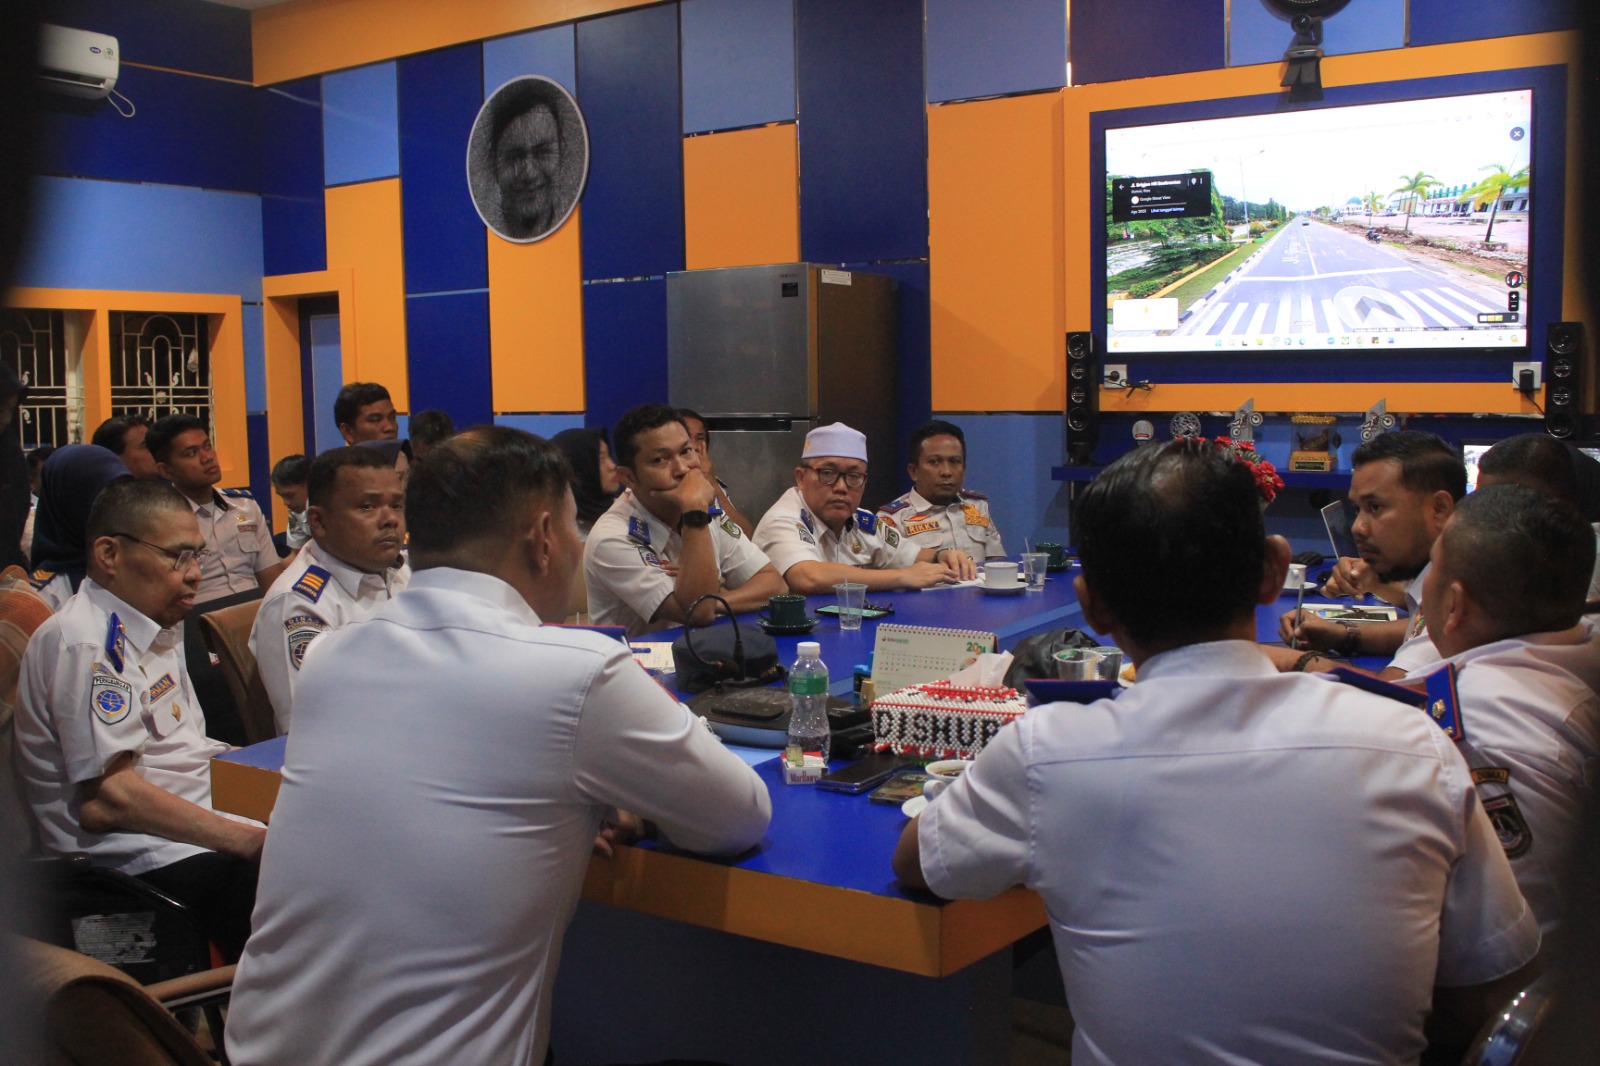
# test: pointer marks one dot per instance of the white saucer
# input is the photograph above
(914, 806)
(1309, 586)
(1012, 590)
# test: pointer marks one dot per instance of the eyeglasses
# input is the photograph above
(830, 477)
(180, 559)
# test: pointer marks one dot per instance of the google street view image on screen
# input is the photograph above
(1391, 225)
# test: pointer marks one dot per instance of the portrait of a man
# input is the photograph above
(527, 158)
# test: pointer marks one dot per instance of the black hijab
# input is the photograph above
(15, 497)
(69, 482)
(582, 448)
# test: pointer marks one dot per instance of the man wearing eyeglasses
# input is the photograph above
(240, 553)
(818, 535)
(351, 566)
(111, 742)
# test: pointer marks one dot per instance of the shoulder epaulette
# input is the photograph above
(894, 505)
(866, 521)
(241, 493)
(638, 532)
(40, 578)
(312, 583)
(116, 643)
(969, 494)
(1437, 696)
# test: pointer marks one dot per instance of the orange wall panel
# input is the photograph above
(536, 322)
(995, 265)
(741, 198)
(315, 36)
(364, 237)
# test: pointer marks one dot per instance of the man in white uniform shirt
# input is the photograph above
(938, 512)
(1404, 487)
(240, 555)
(818, 535)
(111, 745)
(451, 763)
(1504, 599)
(659, 548)
(1239, 865)
(356, 513)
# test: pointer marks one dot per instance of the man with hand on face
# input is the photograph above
(363, 411)
(938, 512)
(1404, 486)
(356, 515)
(818, 535)
(1504, 600)
(111, 743)
(659, 548)
(240, 555)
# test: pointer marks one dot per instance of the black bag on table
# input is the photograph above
(1035, 656)
(725, 656)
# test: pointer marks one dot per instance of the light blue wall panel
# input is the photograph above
(550, 52)
(327, 378)
(545, 426)
(972, 52)
(255, 360)
(1009, 457)
(148, 238)
(1260, 35)
(360, 125)
(738, 63)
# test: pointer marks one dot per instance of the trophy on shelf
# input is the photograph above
(1318, 446)
(1246, 420)
(1378, 420)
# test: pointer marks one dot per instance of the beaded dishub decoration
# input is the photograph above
(942, 721)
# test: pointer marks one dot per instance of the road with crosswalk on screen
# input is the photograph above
(1314, 278)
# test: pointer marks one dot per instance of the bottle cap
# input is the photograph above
(810, 649)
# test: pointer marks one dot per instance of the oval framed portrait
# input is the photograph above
(527, 158)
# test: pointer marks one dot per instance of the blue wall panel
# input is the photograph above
(1026, 504)
(187, 131)
(1260, 35)
(360, 125)
(625, 344)
(633, 206)
(293, 212)
(447, 339)
(545, 426)
(863, 135)
(1442, 21)
(327, 376)
(1145, 38)
(972, 52)
(146, 238)
(178, 34)
(255, 358)
(551, 52)
(258, 469)
(440, 94)
(738, 63)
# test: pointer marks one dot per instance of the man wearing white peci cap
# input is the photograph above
(818, 535)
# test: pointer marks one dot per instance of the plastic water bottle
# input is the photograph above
(808, 694)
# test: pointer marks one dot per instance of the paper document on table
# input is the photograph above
(976, 582)
(655, 655)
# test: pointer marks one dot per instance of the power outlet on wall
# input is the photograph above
(1114, 374)
(1536, 369)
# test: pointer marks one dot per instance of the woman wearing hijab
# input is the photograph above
(594, 475)
(15, 495)
(71, 479)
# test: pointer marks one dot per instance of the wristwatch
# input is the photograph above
(695, 519)
(1351, 644)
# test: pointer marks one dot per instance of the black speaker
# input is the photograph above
(1563, 370)
(1083, 398)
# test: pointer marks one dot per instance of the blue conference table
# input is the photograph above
(721, 959)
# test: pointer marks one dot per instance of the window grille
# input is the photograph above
(34, 343)
(160, 365)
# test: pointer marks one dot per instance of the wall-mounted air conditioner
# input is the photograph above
(77, 62)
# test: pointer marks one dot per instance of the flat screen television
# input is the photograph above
(1389, 221)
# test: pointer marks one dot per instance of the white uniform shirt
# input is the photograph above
(315, 594)
(238, 542)
(1417, 650)
(965, 525)
(625, 557)
(1239, 865)
(789, 533)
(1532, 723)
(85, 697)
(450, 763)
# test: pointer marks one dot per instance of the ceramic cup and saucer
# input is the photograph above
(785, 616)
(1002, 579)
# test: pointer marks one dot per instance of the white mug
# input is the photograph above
(1000, 575)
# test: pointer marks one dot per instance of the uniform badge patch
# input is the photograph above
(301, 630)
(731, 528)
(164, 685)
(855, 544)
(809, 522)
(974, 516)
(109, 698)
(648, 557)
(927, 525)
(890, 537)
(805, 534)
(1509, 824)
(312, 583)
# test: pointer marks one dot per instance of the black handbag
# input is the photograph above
(725, 656)
(1035, 656)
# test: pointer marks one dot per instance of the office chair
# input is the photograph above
(227, 635)
(1505, 1038)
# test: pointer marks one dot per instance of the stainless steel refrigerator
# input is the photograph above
(765, 353)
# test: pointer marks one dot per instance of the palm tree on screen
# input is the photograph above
(1372, 202)
(1415, 186)
(1488, 191)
